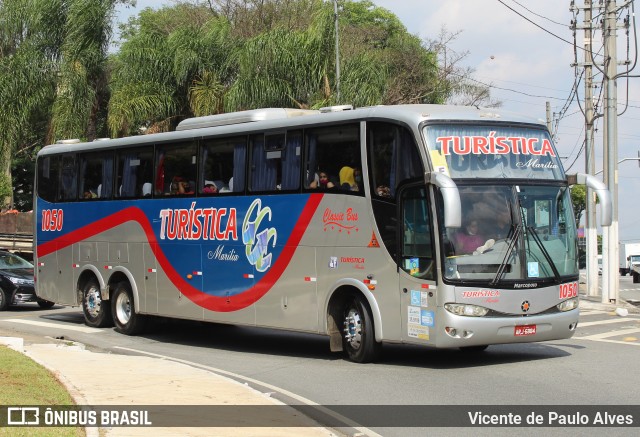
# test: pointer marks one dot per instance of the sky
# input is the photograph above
(527, 67)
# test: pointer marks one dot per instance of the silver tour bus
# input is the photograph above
(441, 226)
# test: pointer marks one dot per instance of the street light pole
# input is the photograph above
(610, 235)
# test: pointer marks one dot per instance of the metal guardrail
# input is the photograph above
(23, 242)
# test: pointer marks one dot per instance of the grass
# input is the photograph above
(24, 382)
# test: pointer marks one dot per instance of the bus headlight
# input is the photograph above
(460, 309)
(568, 305)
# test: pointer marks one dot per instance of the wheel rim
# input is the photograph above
(93, 302)
(123, 308)
(353, 329)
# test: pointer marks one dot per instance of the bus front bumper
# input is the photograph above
(461, 331)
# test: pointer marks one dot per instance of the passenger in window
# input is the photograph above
(347, 179)
(468, 239)
(210, 188)
(383, 191)
(357, 177)
(146, 189)
(180, 186)
(89, 194)
(323, 183)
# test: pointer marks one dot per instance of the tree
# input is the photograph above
(81, 92)
(579, 201)
(195, 59)
(52, 75)
(30, 38)
(454, 80)
(172, 64)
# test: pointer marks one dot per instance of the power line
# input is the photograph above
(535, 24)
(538, 15)
(507, 89)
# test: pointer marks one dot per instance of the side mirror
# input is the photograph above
(451, 198)
(601, 191)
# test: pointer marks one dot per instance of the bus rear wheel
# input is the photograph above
(358, 338)
(126, 319)
(97, 312)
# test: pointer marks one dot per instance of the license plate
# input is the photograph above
(525, 330)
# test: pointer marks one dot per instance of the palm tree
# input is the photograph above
(82, 75)
(171, 66)
(30, 36)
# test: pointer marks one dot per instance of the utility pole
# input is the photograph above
(610, 240)
(590, 165)
(589, 118)
(549, 120)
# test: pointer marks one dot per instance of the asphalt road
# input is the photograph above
(597, 367)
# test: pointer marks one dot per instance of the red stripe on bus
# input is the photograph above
(214, 303)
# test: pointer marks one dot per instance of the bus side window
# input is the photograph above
(291, 161)
(330, 150)
(96, 175)
(265, 162)
(175, 162)
(68, 178)
(393, 158)
(275, 161)
(48, 172)
(134, 169)
(222, 159)
(417, 244)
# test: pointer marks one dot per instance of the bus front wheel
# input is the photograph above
(124, 314)
(97, 312)
(358, 336)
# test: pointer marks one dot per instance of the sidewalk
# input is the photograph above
(128, 380)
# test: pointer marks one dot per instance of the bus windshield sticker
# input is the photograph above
(533, 269)
(412, 265)
(415, 297)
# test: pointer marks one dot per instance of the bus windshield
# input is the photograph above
(485, 151)
(511, 233)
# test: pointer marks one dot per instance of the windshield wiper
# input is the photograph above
(503, 264)
(538, 241)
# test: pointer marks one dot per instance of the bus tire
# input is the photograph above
(97, 313)
(636, 278)
(126, 319)
(358, 337)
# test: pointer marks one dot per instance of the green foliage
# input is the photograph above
(578, 200)
(189, 60)
(24, 382)
(23, 173)
(192, 58)
(170, 56)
